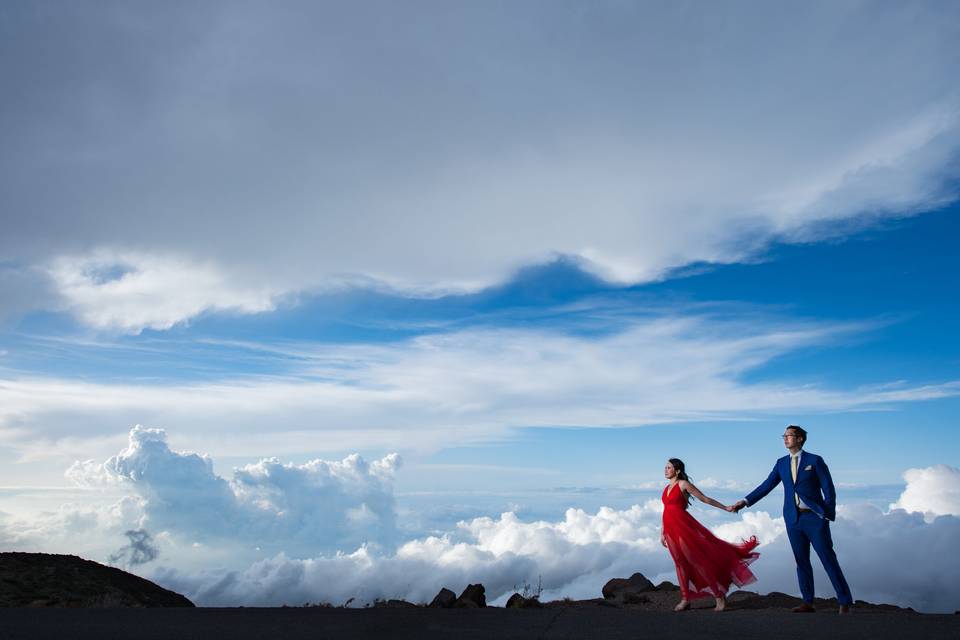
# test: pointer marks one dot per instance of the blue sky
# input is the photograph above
(534, 251)
(892, 284)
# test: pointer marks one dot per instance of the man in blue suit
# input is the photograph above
(809, 504)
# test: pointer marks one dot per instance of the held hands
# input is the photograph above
(736, 506)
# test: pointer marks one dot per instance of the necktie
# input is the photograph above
(793, 470)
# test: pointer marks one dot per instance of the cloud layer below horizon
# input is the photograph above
(323, 531)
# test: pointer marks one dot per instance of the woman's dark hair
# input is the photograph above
(681, 470)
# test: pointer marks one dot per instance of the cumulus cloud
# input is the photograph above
(575, 556)
(933, 491)
(310, 508)
(899, 557)
(92, 474)
(499, 552)
(760, 524)
(461, 387)
(444, 150)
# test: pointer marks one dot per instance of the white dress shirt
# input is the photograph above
(803, 505)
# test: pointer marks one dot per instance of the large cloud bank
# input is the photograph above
(896, 556)
(216, 159)
(572, 556)
(311, 508)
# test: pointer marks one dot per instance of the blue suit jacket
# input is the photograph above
(814, 486)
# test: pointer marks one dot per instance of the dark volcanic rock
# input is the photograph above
(444, 599)
(517, 601)
(393, 604)
(629, 590)
(474, 596)
(48, 580)
(666, 585)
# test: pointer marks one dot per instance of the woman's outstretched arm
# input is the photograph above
(689, 487)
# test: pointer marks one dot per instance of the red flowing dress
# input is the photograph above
(706, 565)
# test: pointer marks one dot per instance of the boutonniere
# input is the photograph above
(809, 467)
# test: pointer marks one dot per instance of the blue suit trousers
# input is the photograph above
(810, 529)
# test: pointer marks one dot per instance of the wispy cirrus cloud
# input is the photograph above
(470, 386)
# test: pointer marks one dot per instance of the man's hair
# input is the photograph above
(800, 432)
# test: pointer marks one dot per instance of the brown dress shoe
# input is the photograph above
(844, 608)
(806, 607)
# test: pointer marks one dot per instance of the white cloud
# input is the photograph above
(898, 557)
(318, 506)
(893, 557)
(726, 485)
(499, 552)
(85, 526)
(92, 474)
(131, 291)
(575, 556)
(933, 491)
(463, 144)
(454, 388)
(752, 523)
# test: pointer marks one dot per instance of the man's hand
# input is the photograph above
(736, 506)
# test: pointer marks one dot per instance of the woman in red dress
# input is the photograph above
(706, 565)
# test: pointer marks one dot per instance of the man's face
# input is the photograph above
(791, 440)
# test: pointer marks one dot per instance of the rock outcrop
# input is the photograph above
(49, 580)
(517, 601)
(444, 599)
(628, 590)
(393, 604)
(474, 596)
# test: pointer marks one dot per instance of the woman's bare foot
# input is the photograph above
(683, 605)
(721, 604)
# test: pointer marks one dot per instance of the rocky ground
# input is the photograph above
(65, 596)
(420, 623)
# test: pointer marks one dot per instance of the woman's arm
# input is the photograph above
(687, 486)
